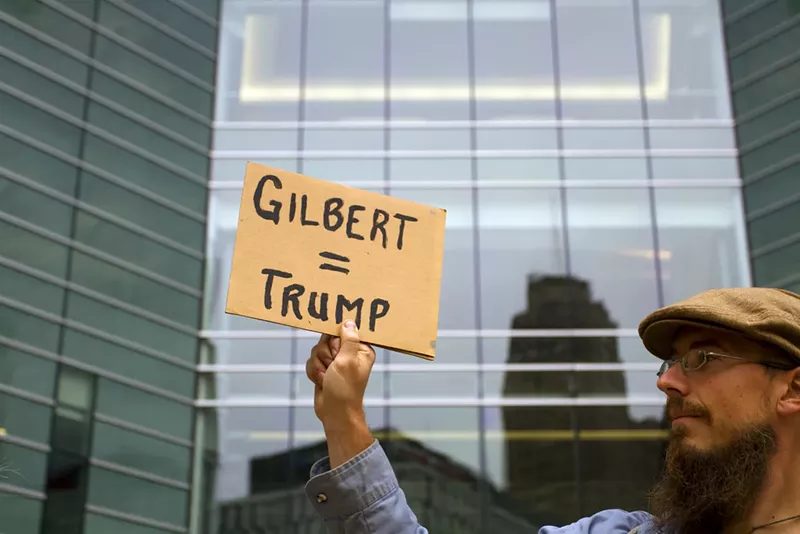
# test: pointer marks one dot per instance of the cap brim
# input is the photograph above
(659, 337)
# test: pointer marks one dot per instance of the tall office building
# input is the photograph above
(591, 143)
(106, 113)
(763, 51)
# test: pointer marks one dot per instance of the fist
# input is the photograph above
(340, 367)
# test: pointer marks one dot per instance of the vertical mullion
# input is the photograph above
(559, 111)
(387, 189)
(483, 493)
(293, 346)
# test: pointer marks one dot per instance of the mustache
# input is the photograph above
(678, 406)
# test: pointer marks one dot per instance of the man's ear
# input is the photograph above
(789, 402)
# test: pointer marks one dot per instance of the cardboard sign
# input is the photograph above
(311, 254)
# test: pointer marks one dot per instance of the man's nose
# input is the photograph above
(674, 381)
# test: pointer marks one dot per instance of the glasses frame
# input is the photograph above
(707, 356)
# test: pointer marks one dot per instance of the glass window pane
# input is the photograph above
(518, 169)
(702, 239)
(28, 328)
(21, 515)
(24, 419)
(43, 54)
(179, 20)
(444, 436)
(98, 524)
(147, 139)
(29, 120)
(766, 53)
(142, 211)
(767, 89)
(777, 265)
(603, 138)
(457, 302)
(770, 154)
(346, 170)
(773, 188)
(144, 409)
(515, 139)
(360, 140)
(429, 64)
(38, 86)
(145, 173)
(232, 170)
(136, 249)
(256, 385)
(134, 289)
(611, 253)
(26, 371)
(153, 76)
(521, 238)
(33, 164)
(598, 61)
(769, 121)
(262, 48)
(355, 87)
(142, 331)
(605, 168)
(35, 207)
(551, 475)
(511, 83)
(759, 21)
(247, 139)
(150, 108)
(137, 497)
(684, 60)
(150, 38)
(52, 23)
(25, 288)
(722, 168)
(251, 351)
(33, 250)
(404, 170)
(691, 138)
(22, 467)
(246, 434)
(430, 139)
(128, 363)
(123, 447)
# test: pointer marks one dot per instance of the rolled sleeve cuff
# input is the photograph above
(352, 487)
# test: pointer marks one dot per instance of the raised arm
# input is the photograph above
(354, 489)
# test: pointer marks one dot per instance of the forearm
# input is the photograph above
(347, 436)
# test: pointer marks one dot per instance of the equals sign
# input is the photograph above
(335, 257)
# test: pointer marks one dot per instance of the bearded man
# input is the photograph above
(731, 374)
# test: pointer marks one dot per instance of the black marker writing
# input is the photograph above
(318, 303)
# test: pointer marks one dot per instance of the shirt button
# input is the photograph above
(321, 497)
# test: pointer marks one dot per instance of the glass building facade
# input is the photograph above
(106, 110)
(585, 151)
(763, 39)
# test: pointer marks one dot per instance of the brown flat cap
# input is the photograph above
(762, 314)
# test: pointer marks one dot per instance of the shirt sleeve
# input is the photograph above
(361, 496)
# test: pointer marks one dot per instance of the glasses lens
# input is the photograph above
(694, 359)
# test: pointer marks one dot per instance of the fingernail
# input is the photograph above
(350, 325)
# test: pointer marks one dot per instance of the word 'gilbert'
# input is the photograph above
(333, 215)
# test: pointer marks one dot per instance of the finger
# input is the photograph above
(322, 351)
(335, 344)
(315, 370)
(350, 342)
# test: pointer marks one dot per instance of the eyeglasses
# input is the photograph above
(697, 358)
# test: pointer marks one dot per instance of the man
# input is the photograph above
(731, 373)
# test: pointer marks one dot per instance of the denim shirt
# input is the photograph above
(362, 496)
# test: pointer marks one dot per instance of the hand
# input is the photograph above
(340, 367)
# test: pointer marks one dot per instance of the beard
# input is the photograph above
(707, 491)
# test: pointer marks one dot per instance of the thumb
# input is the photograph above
(348, 333)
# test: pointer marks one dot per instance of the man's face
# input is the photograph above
(723, 434)
(710, 406)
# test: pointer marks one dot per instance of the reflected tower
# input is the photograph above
(566, 462)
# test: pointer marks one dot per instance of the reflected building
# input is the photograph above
(568, 463)
(445, 495)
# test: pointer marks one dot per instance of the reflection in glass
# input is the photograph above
(511, 82)
(702, 239)
(611, 247)
(521, 234)
(523, 169)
